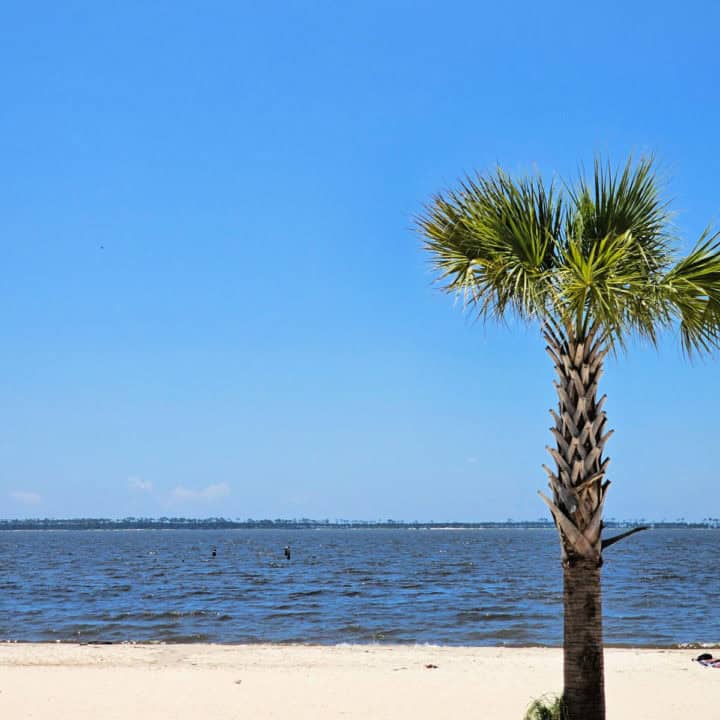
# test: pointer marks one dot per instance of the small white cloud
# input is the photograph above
(136, 483)
(211, 492)
(28, 498)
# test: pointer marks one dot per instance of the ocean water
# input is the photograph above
(454, 587)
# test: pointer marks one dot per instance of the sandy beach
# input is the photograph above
(185, 682)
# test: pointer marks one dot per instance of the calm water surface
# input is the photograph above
(455, 587)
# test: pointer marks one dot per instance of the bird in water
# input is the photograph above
(214, 551)
(287, 552)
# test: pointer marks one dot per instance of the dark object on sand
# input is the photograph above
(708, 660)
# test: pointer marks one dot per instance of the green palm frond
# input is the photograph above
(597, 283)
(692, 287)
(494, 241)
(600, 255)
(625, 202)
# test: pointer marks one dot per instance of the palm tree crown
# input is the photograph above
(598, 256)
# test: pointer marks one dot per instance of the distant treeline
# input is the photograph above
(132, 523)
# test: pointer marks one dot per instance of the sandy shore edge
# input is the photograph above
(52, 680)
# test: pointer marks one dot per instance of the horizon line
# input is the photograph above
(216, 520)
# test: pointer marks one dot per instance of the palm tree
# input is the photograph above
(594, 265)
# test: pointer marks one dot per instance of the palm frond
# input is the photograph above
(692, 288)
(599, 256)
(493, 241)
(625, 202)
(597, 285)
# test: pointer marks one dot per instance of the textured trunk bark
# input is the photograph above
(579, 488)
(583, 669)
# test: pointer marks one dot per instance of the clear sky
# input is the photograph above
(213, 300)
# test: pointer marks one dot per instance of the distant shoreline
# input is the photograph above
(306, 524)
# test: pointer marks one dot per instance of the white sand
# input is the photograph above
(190, 682)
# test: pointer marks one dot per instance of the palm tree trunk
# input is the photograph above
(584, 677)
(579, 488)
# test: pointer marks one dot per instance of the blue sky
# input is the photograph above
(213, 300)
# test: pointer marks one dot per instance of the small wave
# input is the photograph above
(305, 593)
(354, 629)
(479, 616)
(292, 614)
(150, 616)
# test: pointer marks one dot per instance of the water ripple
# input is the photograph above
(485, 587)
